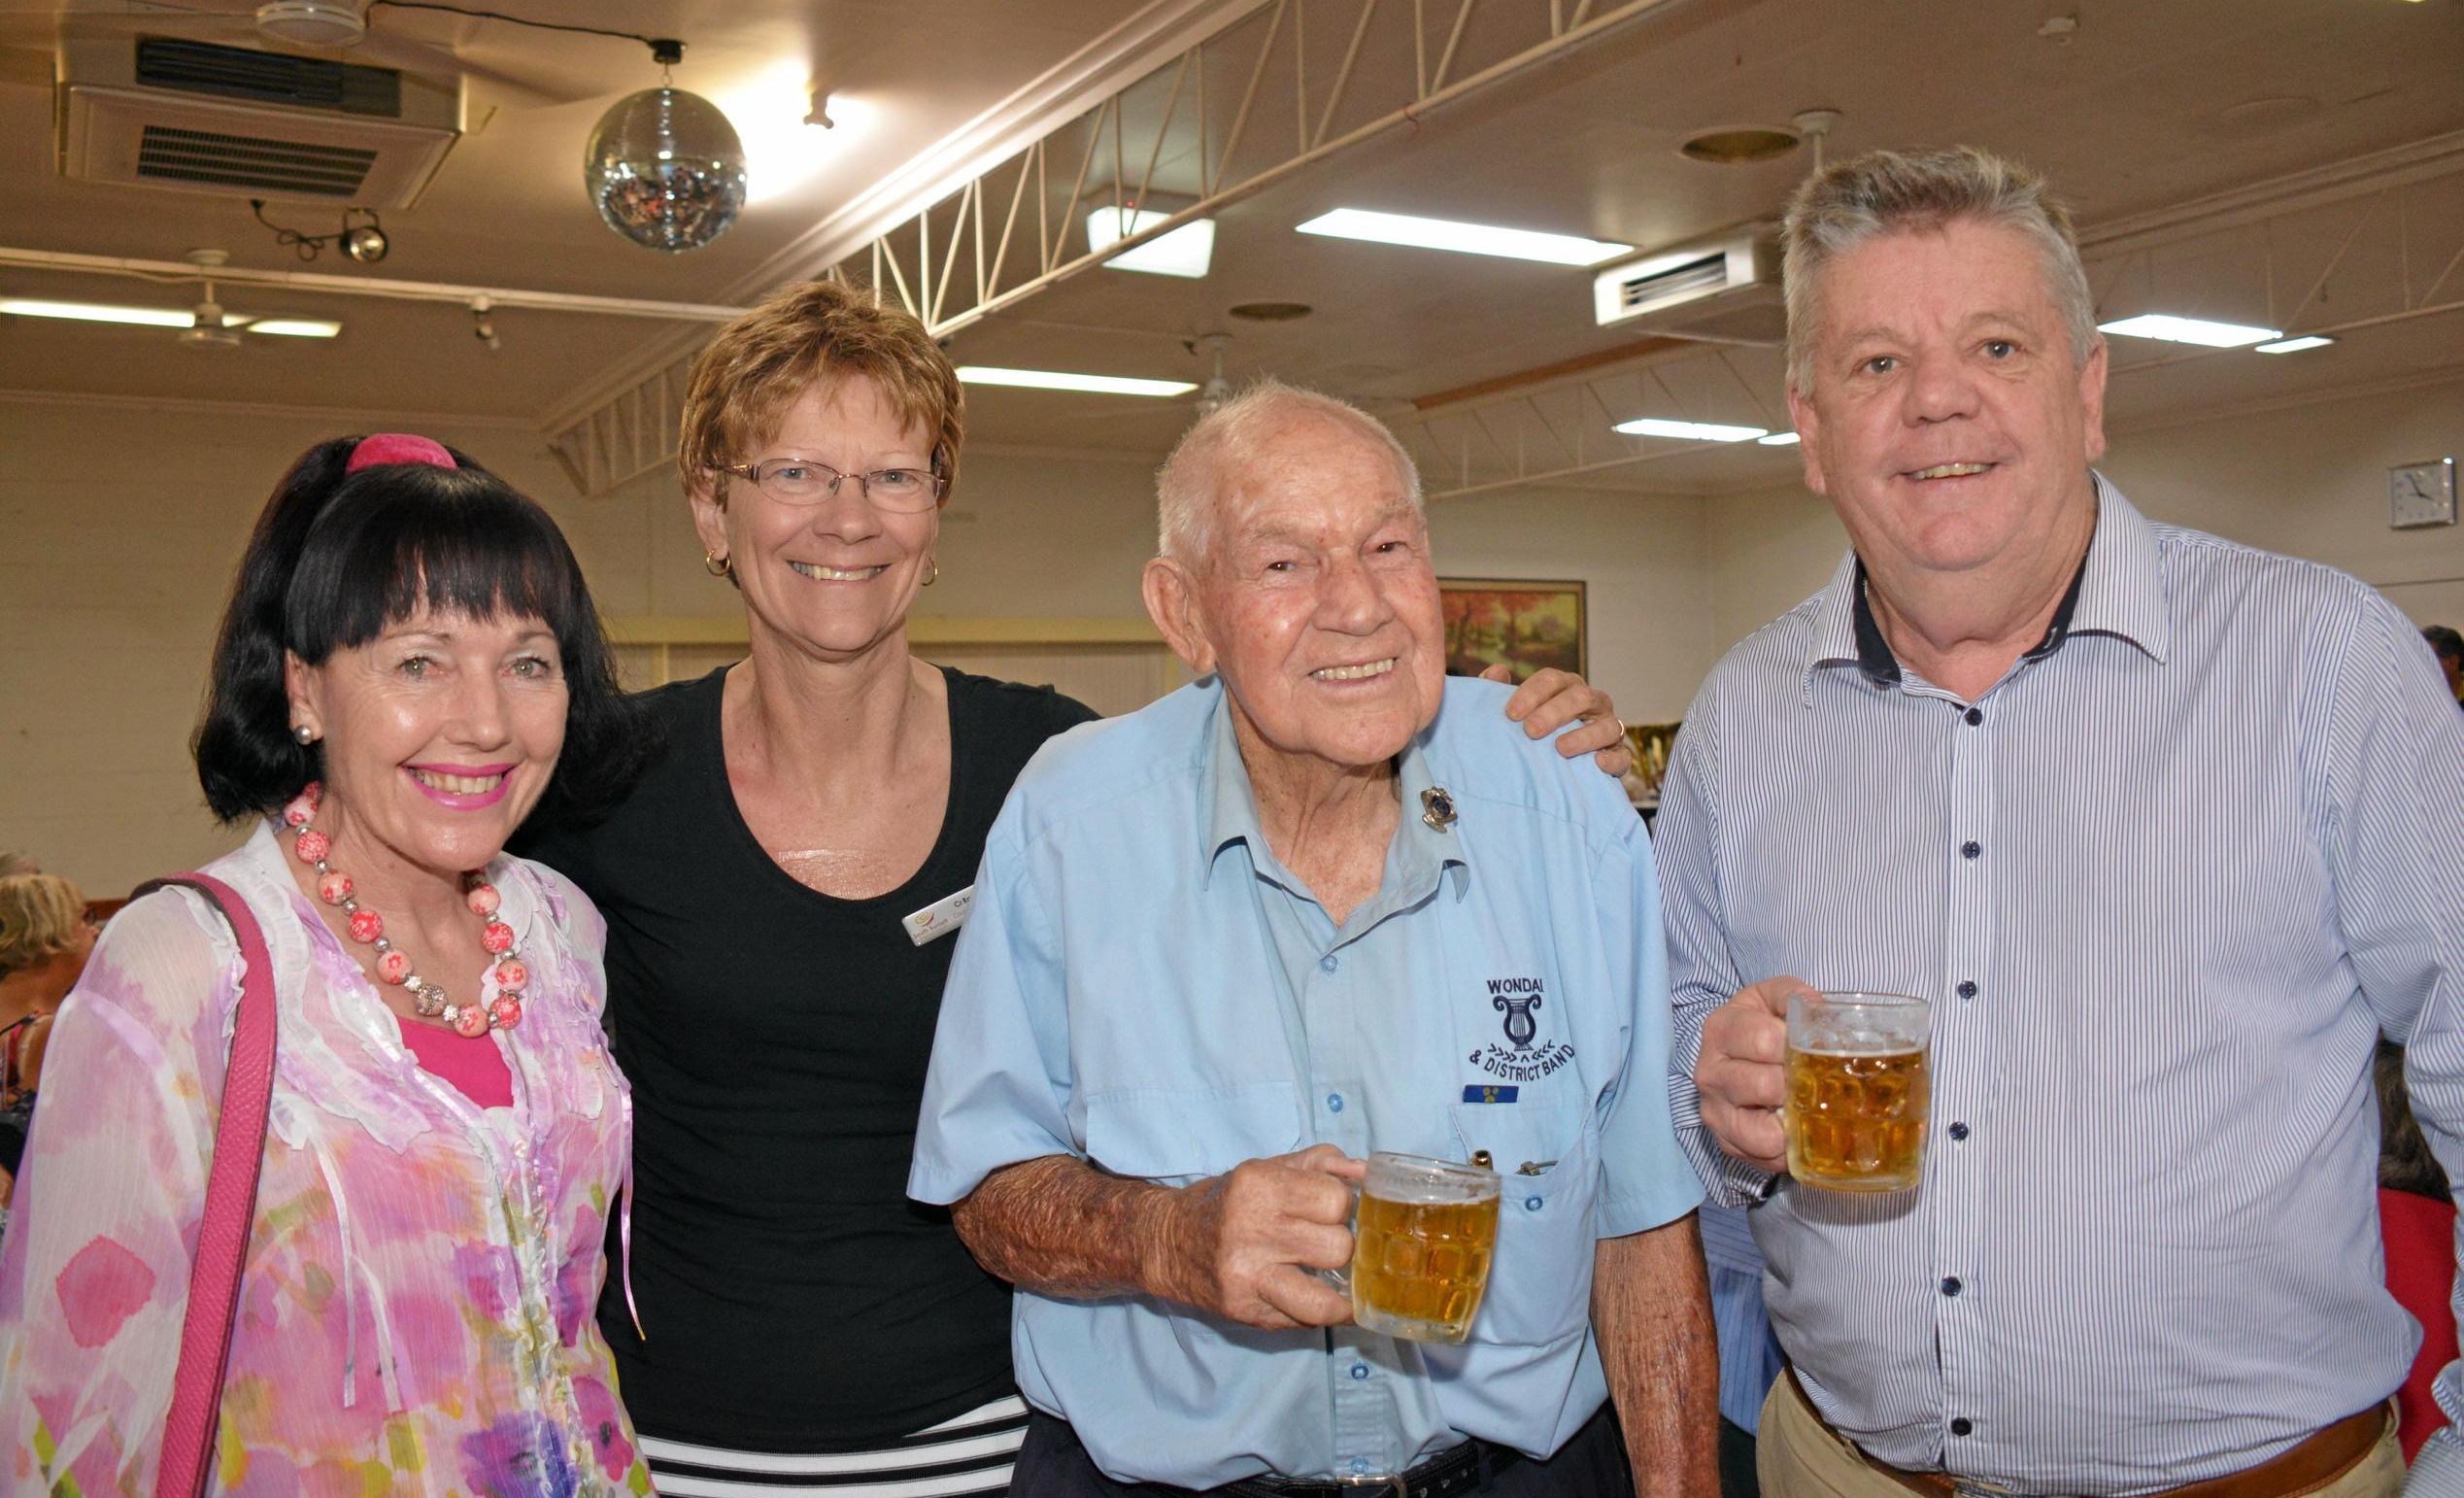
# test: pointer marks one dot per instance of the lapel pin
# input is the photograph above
(1437, 809)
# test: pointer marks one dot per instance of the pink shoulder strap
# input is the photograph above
(231, 1206)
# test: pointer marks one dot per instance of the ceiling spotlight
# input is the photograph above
(483, 326)
(366, 243)
(663, 167)
(1740, 146)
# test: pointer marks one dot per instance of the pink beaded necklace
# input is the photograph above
(393, 966)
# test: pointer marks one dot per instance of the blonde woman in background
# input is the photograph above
(44, 939)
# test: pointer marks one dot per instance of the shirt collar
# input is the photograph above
(2118, 589)
(1415, 858)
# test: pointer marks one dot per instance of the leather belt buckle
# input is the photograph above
(1390, 1485)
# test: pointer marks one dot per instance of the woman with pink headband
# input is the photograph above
(408, 656)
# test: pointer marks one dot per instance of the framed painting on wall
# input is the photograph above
(1525, 623)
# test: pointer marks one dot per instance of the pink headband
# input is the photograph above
(396, 447)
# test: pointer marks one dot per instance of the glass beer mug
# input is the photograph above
(1858, 1090)
(1426, 1234)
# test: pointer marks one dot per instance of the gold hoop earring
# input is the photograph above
(716, 565)
(932, 572)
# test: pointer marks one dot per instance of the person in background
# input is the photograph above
(408, 664)
(2167, 829)
(45, 940)
(2449, 646)
(2417, 1225)
(13, 862)
(781, 889)
(1227, 945)
(1749, 1354)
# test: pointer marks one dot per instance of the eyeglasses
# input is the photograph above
(800, 481)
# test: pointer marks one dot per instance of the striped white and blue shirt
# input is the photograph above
(2165, 883)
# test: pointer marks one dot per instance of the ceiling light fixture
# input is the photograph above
(1691, 431)
(293, 327)
(2294, 345)
(1385, 228)
(2166, 327)
(98, 311)
(1777, 439)
(365, 242)
(1740, 146)
(1057, 380)
(1187, 251)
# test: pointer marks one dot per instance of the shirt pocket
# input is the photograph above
(1174, 1136)
(1539, 1281)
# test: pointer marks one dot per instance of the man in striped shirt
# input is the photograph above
(2167, 829)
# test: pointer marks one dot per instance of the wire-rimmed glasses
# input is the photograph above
(800, 481)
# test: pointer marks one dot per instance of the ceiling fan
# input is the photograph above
(338, 29)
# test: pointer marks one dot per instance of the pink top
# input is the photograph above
(475, 1068)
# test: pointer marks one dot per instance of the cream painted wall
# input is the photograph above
(120, 529)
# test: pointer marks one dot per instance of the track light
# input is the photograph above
(365, 242)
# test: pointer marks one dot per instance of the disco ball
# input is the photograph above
(666, 169)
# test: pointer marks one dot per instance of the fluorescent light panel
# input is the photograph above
(2198, 331)
(2294, 345)
(1692, 431)
(295, 327)
(1057, 380)
(1187, 251)
(1465, 238)
(1778, 439)
(98, 311)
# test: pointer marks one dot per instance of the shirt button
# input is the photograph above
(1961, 1426)
(1334, 1102)
(1950, 1286)
(1975, 716)
(1531, 1204)
(1360, 1464)
(1360, 1370)
(1958, 1132)
(1328, 964)
(1971, 849)
(1967, 988)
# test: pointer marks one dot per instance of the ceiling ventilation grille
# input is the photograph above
(1723, 291)
(282, 168)
(224, 120)
(268, 78)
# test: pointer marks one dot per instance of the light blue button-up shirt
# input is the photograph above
(1141, 984)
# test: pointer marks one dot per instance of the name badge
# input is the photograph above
(939, 918)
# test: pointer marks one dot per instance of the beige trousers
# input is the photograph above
(1798, 1456)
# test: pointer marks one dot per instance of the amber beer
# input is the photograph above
(1858, 1090)
(1427, 1232)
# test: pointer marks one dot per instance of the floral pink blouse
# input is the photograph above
(415, 1312)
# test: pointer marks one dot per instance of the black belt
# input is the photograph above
(1456, 1470)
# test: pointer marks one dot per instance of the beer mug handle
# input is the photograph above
(1341, 1279)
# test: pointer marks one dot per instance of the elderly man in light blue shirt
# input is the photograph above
(1322, 902)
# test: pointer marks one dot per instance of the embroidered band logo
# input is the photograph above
(1527, 1058)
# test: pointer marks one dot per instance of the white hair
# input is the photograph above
(1888, 191)
(1190, 483)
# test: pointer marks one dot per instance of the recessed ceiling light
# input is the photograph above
(1464, 238)
(1692, 431)
(1057, 380)
(1271, 312)
(1737, 146)
(2198, 331)
(1184, 252)
(2294, 345)
(98, 311)
(1778, 439)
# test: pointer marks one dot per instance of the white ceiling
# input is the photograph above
(2147, 108)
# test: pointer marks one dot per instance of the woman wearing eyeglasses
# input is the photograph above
(780, 892)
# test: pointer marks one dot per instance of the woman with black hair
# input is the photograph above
(408, 656)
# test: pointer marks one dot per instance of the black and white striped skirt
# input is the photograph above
(971, 1455)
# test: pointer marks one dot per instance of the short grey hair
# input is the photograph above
(1234, 435)
(1890, 192)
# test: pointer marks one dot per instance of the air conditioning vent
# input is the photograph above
(268, 78)
(1723, 291)
(266, 168)
(167, 113)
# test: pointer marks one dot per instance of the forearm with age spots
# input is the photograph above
(1058, 1226)
(1651, 1309)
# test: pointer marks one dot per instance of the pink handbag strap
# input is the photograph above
(231, 1206)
